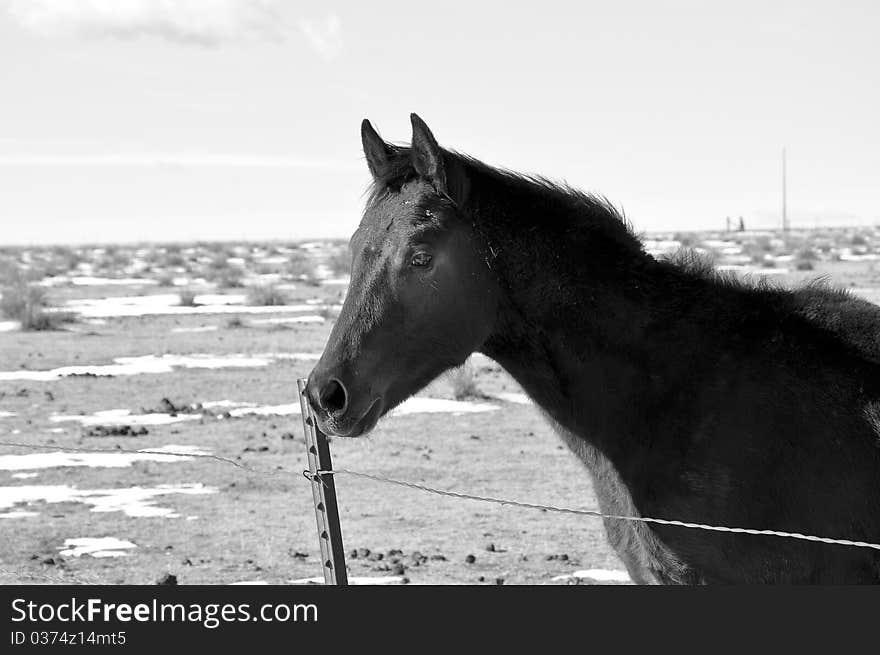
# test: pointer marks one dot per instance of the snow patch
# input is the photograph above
(133, 501)
(249, 582)
(125, 417)
(156, 364)
(599, 575)
(416, 405)
(482, 360)
(96, 547)
(513, 397)
(93, 281)
(420, 405)
(17, 515)
(90, 281)
(34, 461)
(288, 319)
(203, 328)
(169, 303)
(356, 580)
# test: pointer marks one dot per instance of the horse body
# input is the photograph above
(687, 395)
(702, 425)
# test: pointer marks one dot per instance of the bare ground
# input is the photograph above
(260, 526)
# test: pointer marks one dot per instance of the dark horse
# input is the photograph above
(687, 394)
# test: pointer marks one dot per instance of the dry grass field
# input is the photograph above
(196, 348)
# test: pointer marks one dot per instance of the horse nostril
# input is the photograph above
(333, 397)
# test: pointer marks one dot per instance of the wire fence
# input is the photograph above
(459, 495)
(598, 514)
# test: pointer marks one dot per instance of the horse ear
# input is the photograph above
(376, 150)
(427, 158)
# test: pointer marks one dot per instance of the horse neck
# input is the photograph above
(571, 328)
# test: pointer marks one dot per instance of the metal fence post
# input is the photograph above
(324, 494)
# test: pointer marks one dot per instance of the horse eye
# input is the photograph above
(421, 259)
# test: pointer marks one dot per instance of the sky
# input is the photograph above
(159, 120)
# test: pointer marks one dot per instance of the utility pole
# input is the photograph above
(784, 191)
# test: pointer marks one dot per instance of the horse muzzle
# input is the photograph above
(337, 411)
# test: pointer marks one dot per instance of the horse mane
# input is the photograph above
(835, 309)
(575, 209)
(701, 266)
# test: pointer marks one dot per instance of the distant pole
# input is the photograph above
(784, 192)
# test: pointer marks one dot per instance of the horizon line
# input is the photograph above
(293, 239)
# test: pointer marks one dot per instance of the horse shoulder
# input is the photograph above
(647, 559)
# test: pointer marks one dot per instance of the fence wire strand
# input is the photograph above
(596, 513)
(280, 471)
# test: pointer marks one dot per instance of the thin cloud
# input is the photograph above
(200, 22)
(171, 159)
(324, 36)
